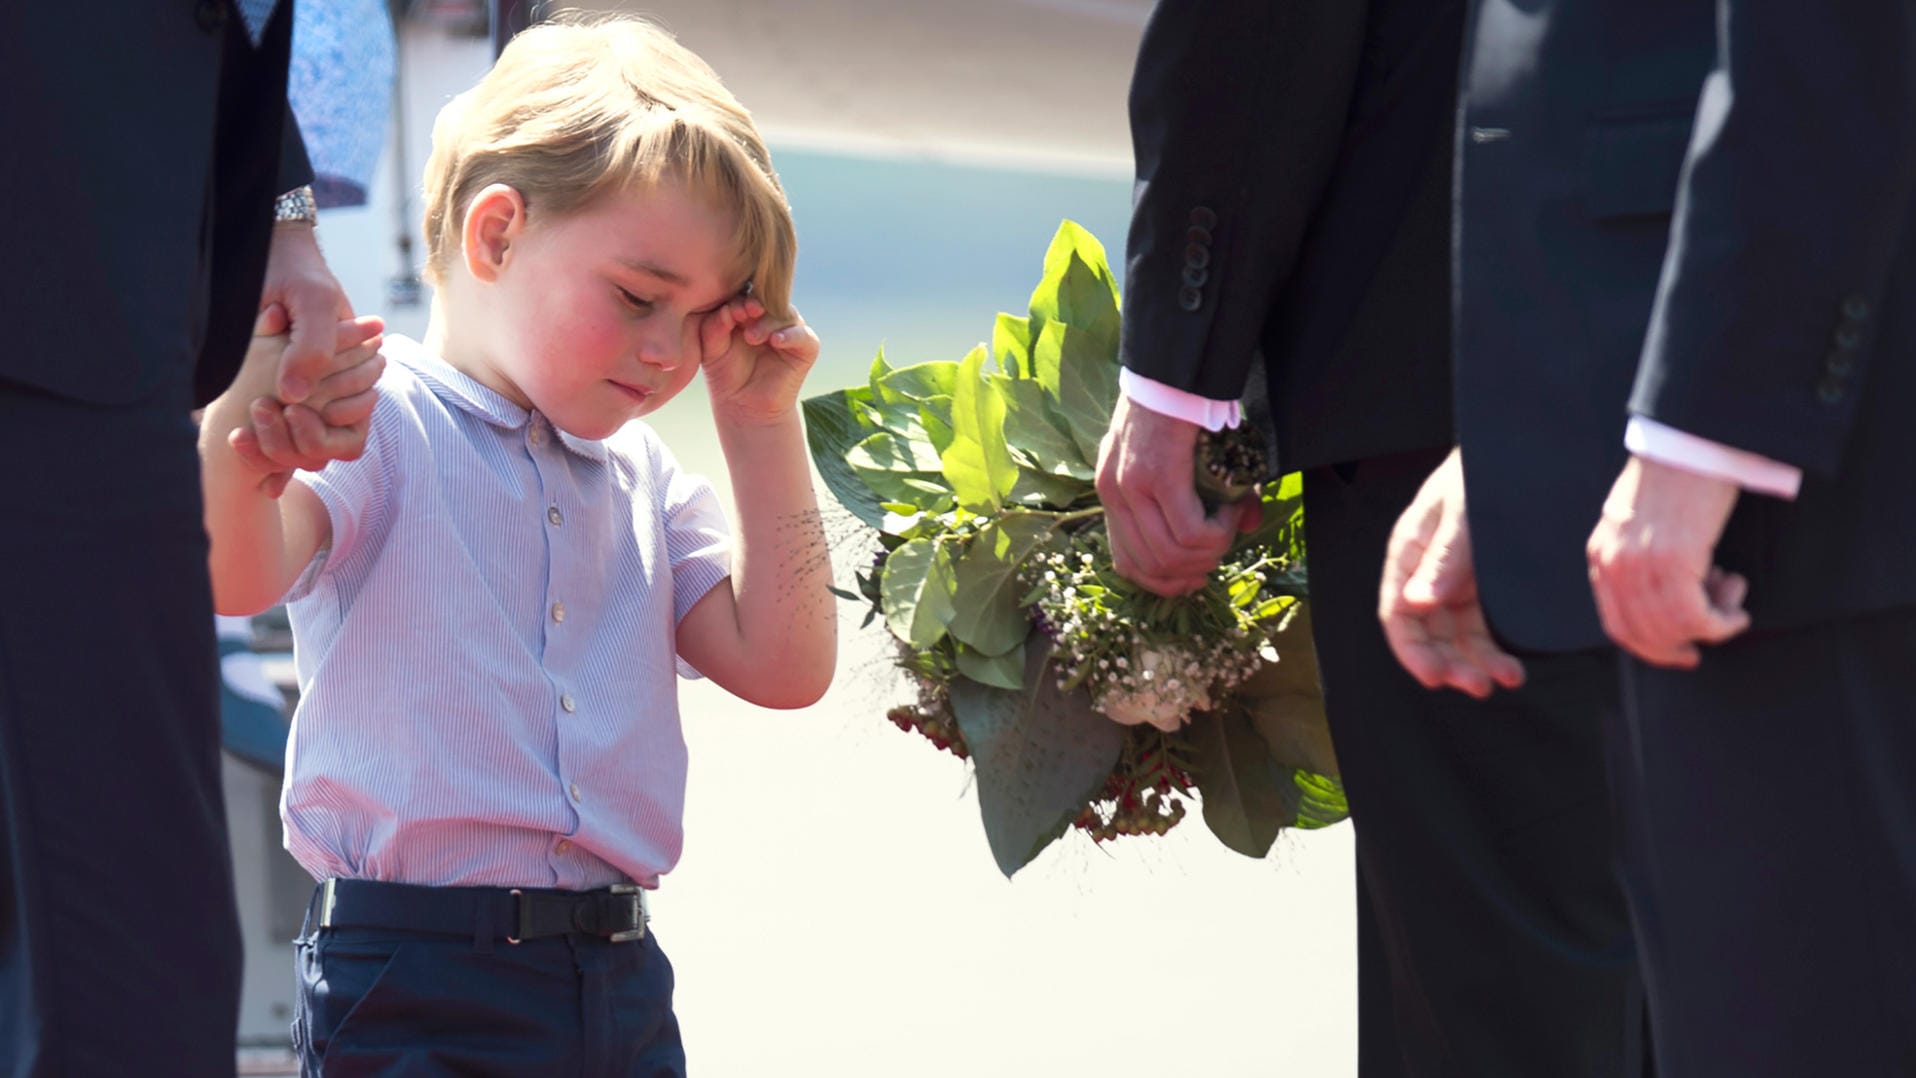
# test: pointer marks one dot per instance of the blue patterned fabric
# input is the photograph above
(255, 14)
(341, 86)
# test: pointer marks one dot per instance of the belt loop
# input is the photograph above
(328, 895)
(482, 927)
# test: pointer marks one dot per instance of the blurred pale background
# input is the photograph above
(837, 912)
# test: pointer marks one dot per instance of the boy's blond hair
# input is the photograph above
(575, 109)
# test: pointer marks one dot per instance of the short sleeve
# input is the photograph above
(355, 493)
(698, 541)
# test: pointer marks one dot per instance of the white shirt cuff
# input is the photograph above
(1652, 440)
(1178, 403)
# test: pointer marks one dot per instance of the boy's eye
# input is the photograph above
(635, 302)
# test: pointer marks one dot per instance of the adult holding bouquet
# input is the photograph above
(1685, 375)
(141, 229)
(1293, 198)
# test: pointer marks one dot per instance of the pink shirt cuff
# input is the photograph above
(1652, 440)
(1178, 403)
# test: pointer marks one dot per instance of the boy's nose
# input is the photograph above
(665, 355)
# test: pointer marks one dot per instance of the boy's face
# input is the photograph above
(603, 306)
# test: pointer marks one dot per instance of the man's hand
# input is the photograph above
(1651, 564)
(1160, 538)
(1428, 599)
(310, 421)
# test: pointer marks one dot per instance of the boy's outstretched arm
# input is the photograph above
(262, 539)
(769, 634)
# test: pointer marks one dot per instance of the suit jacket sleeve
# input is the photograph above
(295, 170)
(1237, 112)
(1792, 202)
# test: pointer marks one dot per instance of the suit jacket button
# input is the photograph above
(1848, 337)
(210, 14)
(1198, 236)
(1197, 256)
(1190, 298)
(1830, 389)
(1839, 363)
(1856, 308)
(1203, 218)
(1195, 276)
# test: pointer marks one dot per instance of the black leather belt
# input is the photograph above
(617, 913)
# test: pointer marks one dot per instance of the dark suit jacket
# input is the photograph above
(1729, 250)
(1292, 200)
(148, 139)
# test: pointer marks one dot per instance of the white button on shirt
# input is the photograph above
(434, 667)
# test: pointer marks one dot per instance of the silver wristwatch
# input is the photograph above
(296, 205)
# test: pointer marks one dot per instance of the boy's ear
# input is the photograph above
(495, 221)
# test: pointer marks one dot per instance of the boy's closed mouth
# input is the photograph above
(638, 393)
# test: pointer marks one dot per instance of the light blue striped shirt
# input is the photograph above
(485, 654)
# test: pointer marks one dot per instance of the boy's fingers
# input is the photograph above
(798, 342)
(359, 371)
(245, 445)
(353, 332)
(309, 435)
(269, 426)
(350, 411)
(715, 332)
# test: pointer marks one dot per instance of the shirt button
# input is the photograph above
(557, 518)
(567, 703)
(535, 436)
(558, 611)
(574, 790)
(565, 845)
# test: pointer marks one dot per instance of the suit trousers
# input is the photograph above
(1492, 933)
(119, 937)
(1770, 839)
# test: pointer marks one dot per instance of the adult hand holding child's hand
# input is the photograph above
(754, 368)
(330, 424)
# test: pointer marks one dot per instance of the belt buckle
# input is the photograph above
(640, 915)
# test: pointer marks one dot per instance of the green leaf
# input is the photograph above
(1032, 424)
(879, 370)
(1011, 343)
(832, 428)
(988, 615)
(1038, 490)
(1087, 383)
(1247, 797)
(1040, 754)
(918, 381)
(1005, 671)
(917, 590)
(978, 463)
(897, 469)
(1078, 288)
(934, 415)
(1286, 704)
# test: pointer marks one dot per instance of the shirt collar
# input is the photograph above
(454, 386)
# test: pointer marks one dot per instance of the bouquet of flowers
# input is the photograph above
(1080, 699)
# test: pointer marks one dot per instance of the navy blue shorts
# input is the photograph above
(385, 1002)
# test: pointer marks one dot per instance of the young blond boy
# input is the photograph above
(490, 604)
